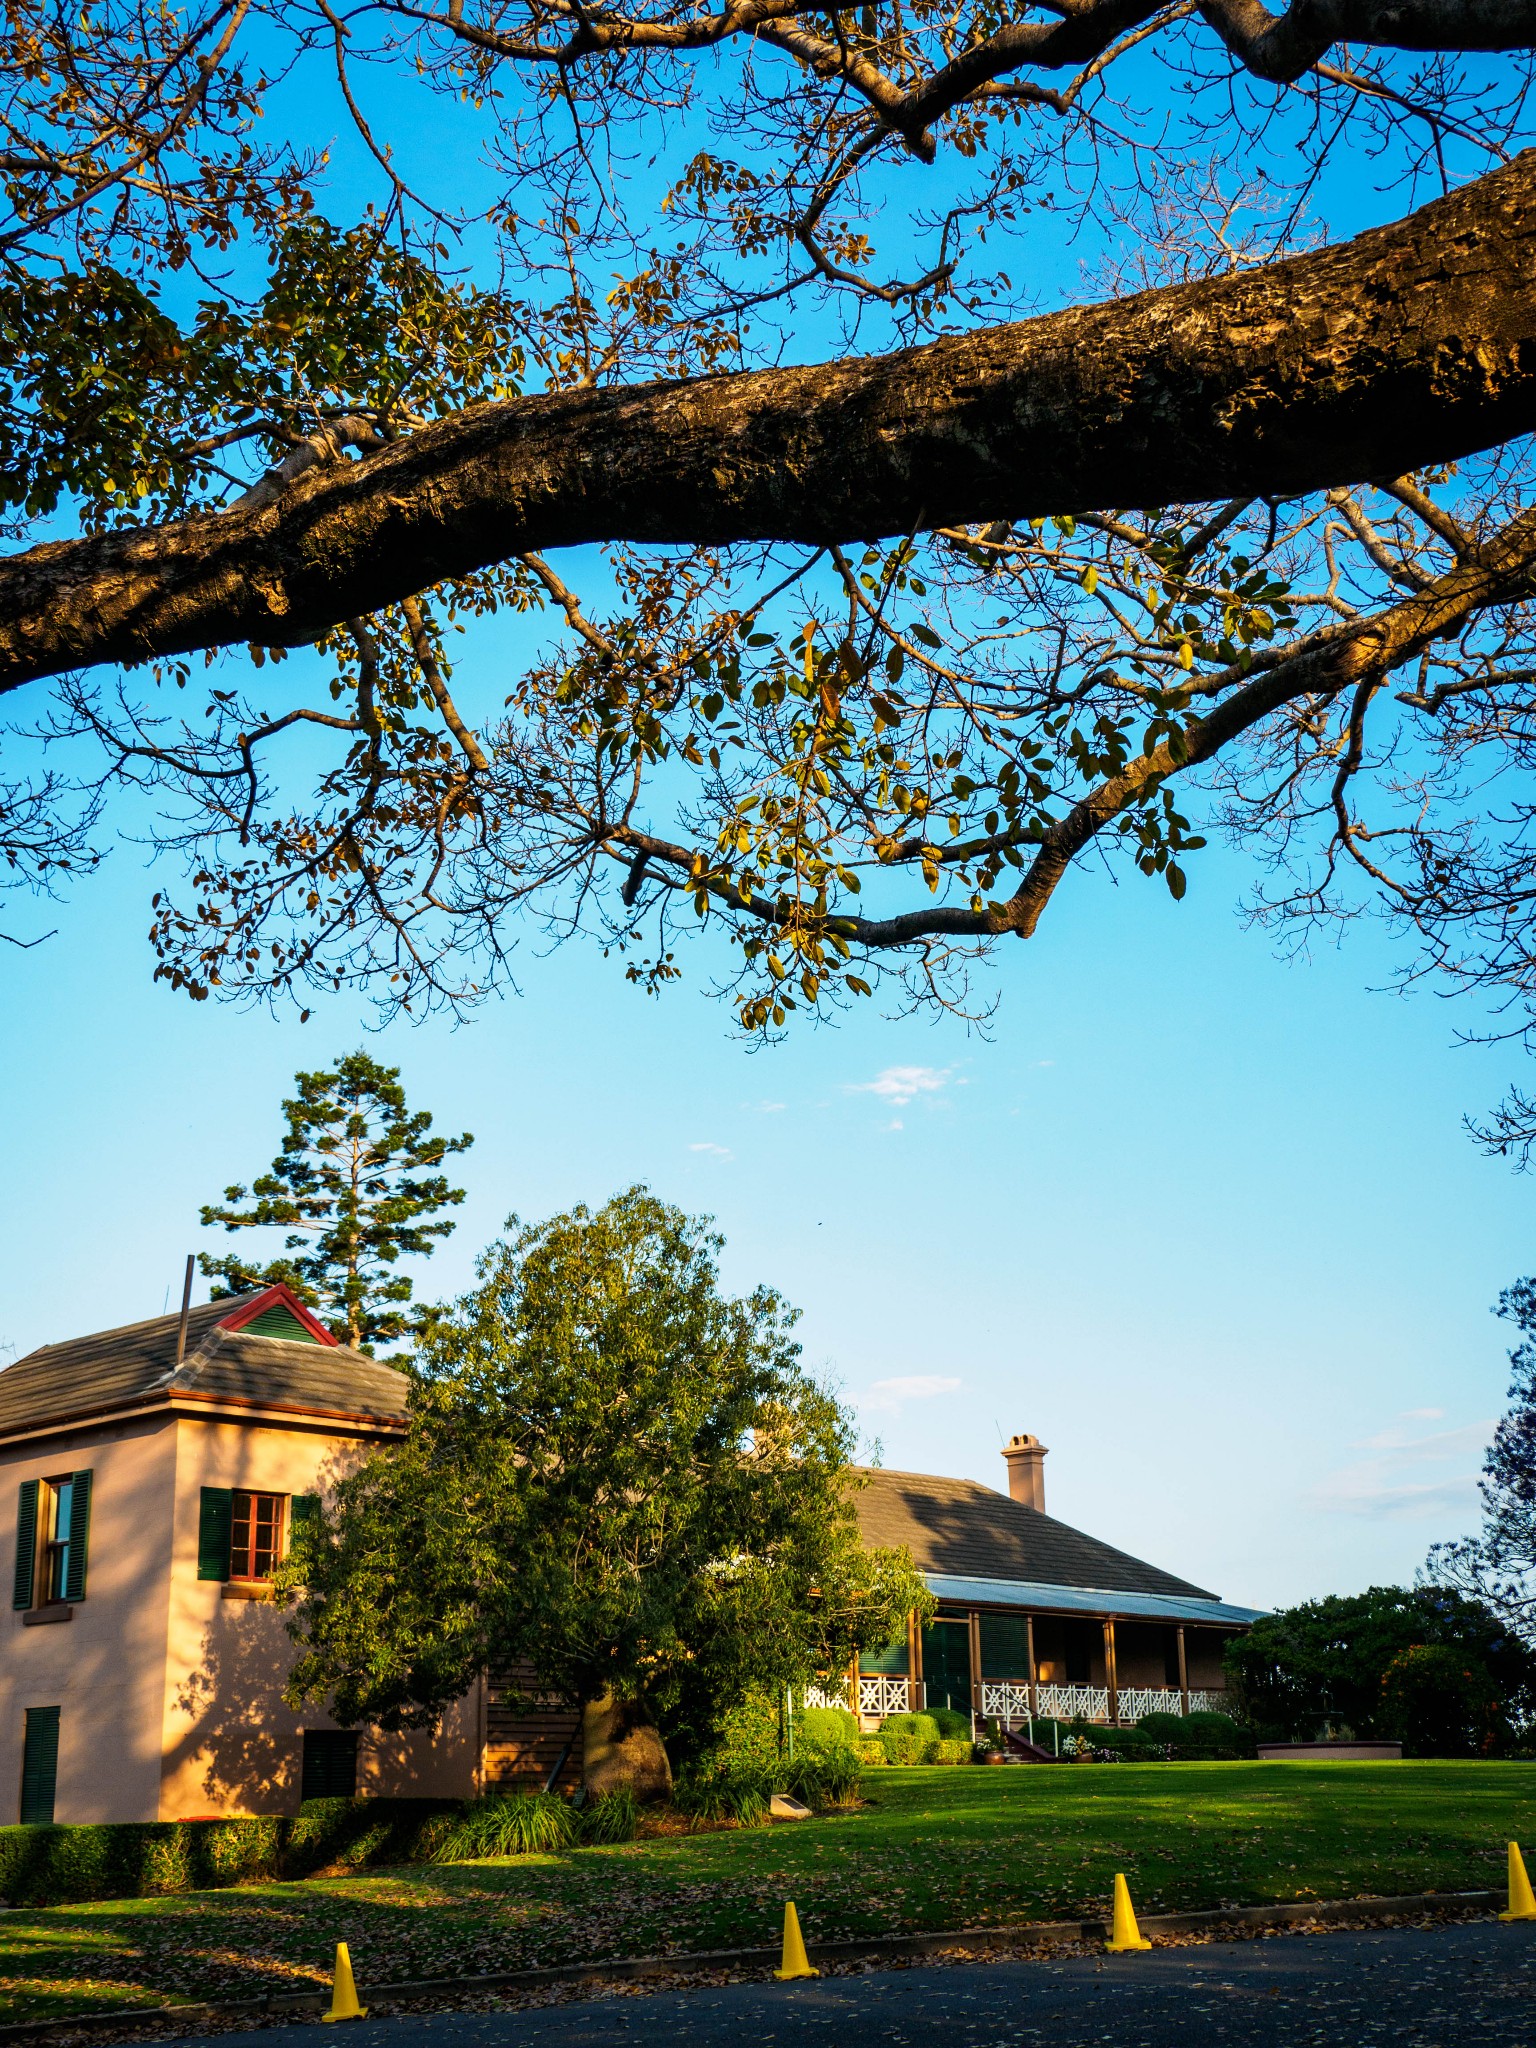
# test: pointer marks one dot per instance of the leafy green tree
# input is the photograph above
(1324, 1665)
(1439, 1701)
(616, 1476)
(356, 1190)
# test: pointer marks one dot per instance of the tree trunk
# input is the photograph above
(1410, 345)
(620, 1747)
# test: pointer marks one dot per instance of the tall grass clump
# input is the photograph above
(740, 1795)
(510, 1824)
(824, 1777)
(615, 1817)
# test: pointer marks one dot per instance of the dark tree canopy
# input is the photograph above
(1357, 1665)
(894, 582)
(357, 1188)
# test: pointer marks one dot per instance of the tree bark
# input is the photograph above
(1411, 345)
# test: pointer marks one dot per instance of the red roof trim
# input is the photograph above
(277, 1296)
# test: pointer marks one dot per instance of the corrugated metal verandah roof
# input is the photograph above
(1100, 1601)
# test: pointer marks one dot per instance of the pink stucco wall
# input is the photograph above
(105, 1667)
(230, 1744)
(170, 1693)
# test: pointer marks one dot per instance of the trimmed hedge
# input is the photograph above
(941, 1736)
(825, 1728)
(57, 1866)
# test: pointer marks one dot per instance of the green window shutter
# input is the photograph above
(39, 1766)
(26, 1545)
(215, 1514)
(79, 1535)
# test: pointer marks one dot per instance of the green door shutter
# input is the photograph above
(39, 1766)
(213, 1528)
(26, 1545)
(79, 1535)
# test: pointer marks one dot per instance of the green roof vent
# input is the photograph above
(279, 1321)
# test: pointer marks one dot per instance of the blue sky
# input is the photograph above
(1204, 1221)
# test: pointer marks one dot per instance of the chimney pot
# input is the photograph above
(1025, 1458)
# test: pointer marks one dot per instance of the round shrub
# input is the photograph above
(825, 1728)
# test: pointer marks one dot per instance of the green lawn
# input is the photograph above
(935, 1849)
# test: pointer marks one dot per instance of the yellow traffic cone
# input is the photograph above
(796, 1962)
(1126, 1934)
(344, 2005)
(1522, 1901)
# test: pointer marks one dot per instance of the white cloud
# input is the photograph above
(769, 1108)
(1409, 1475)
(886, 1397)
(895, 1124)
(901, 1085)
(714, 1151)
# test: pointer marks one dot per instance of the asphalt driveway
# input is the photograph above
(1460, 1986)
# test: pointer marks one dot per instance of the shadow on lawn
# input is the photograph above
(941, 1849)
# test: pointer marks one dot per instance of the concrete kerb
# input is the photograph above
(891, 1947)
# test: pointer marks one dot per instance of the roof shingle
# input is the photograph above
(959, 1529)
(136, 1364)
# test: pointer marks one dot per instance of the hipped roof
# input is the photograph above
(956, 1528)
(224, 1363)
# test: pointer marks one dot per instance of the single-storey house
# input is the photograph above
(1035, 1619)
(150, 1478)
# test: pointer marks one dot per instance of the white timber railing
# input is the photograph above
(820, 1696)
(1067, 1702)
(1136, 1700)
(1004, 1699)
(881, 1694)
(1007, 1699)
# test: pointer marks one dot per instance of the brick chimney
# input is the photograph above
(1025, 1458)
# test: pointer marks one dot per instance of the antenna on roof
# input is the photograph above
(186, 1310)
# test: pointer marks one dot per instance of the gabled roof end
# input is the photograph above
(248, 1307)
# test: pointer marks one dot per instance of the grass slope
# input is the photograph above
(936, 1849)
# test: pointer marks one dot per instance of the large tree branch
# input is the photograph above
(1411, 345)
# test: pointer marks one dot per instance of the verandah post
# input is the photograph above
(1031, 1680)
(1110, 1675)
(1183, 1674)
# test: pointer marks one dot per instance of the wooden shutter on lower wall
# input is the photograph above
(39, 1766)
(26, 1545)
(215, 1514)
(79, 1534)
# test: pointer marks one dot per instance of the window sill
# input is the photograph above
(52, 1610)
(245, 1589)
